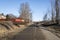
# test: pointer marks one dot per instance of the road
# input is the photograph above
(31, 33)
(34, 33)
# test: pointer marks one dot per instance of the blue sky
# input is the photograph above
(38, 7)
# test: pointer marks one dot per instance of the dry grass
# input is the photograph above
(5, 33)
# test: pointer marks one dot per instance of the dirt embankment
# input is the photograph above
(8, 29)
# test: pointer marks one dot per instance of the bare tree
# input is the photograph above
(57, 11)
(45, 17)
(25, 12)
(52, 13)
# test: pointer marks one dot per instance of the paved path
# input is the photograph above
(34, 33)
(31, 33)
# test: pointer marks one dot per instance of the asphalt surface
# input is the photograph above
(31, 33)
(34, 33)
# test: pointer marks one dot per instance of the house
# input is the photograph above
(2, 16)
